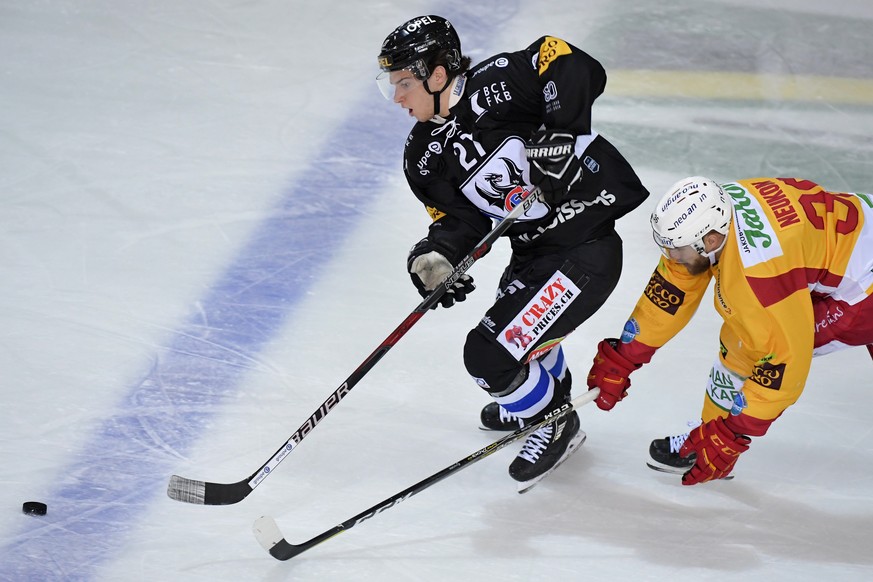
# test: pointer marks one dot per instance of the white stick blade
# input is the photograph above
(187, 490)
(267, 532)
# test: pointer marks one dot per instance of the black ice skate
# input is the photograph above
(665, 457)
(545, 450)
(495, 417)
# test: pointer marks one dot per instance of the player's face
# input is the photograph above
(687, 256)
(410, 94)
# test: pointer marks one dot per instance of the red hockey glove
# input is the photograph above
(717, 448)
(610, 373)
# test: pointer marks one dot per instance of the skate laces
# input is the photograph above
(506, 416)
(537, 443)
(677, 441)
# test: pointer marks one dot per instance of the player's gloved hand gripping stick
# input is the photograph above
(207, 493)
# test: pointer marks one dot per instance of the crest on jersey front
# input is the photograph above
(501, 182)
(505, 188)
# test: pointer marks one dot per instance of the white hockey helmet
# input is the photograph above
(691, 208)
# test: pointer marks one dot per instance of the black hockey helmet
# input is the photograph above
(416, 43)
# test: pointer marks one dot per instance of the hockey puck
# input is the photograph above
(34, 508)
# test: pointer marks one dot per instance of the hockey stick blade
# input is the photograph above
(271, 539)
(208, 493)
(204, 493)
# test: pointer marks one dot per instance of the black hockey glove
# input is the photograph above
(428, 268)
(554, 166)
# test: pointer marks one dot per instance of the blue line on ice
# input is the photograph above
(125, 465)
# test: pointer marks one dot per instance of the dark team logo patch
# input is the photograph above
(504, 187)
(769, 375)
(664, 294)
(498, 183)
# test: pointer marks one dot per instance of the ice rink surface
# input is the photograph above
(204, 232)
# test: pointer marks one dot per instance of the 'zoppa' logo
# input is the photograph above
(504, 194)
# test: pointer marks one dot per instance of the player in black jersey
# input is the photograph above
(483, 135)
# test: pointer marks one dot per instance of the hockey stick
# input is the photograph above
(271, 539)
(207, 493)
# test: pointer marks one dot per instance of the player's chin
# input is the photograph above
(696, 268)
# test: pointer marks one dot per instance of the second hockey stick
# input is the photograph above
(271, 539)
(207, 493)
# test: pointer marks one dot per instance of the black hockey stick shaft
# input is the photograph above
(208, 493)
(272, 540)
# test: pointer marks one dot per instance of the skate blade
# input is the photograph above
(680, 472)
(667, 469)
(512, 428)
(575, 445)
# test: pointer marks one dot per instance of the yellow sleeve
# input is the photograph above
(670, 299)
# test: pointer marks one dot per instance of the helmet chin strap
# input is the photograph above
(711, 255)
(457, 83)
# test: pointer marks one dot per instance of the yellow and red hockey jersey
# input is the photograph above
(788, 239)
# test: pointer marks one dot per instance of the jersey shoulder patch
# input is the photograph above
(435, 214)
(551, 49)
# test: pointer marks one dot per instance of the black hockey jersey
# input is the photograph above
(470, 169)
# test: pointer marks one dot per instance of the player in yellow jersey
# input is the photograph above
(793, 270)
